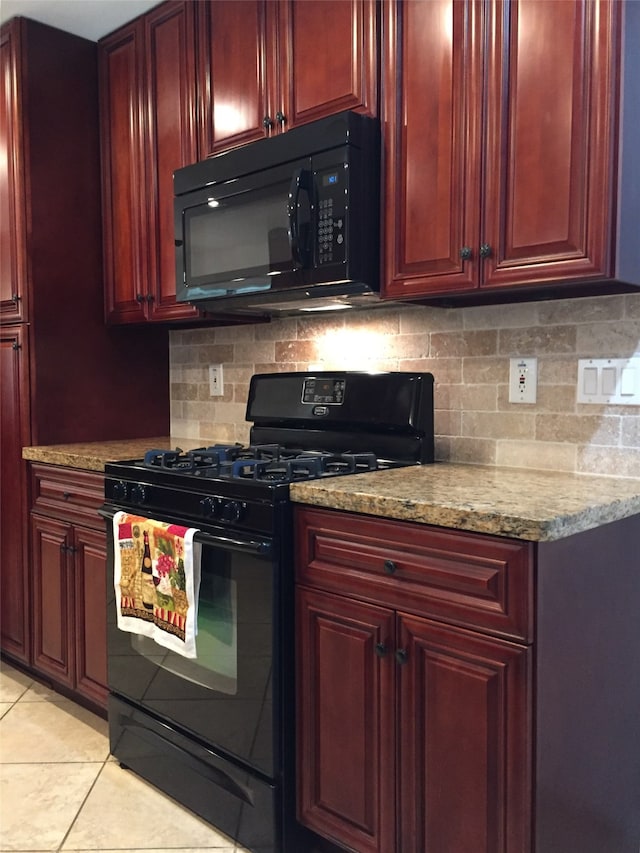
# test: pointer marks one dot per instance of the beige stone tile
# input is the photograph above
(590, 309)
(444, 370)
(13, 683)
(479, 398)
(252, 351)
(555, 398)
(214, 353)
(536, 454)
(537, 340)
(485, 370)
(499, 424)
(506, 316)
(609, 461)
(288, 351)
(632, 305)
(52, 732)
(631, 430)
(447, 422)
(466, 343)
(418, 318)
(558, 370)
(578, 429)
(40, 801)
(225, 849)
(4, 707)
(151, 817)
(477, 451)
(609, 340)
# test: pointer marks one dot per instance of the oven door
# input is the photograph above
(225, 696)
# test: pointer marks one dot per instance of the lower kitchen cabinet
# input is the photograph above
(68, 561)
(466, 693)
(409, 728)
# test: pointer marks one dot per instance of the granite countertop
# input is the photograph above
(92, 456)
(519, 503)
(523, 504)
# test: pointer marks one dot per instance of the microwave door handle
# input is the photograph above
(298, 183)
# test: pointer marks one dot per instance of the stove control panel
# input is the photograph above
(326, 391)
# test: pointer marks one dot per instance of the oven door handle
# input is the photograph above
(247, 546)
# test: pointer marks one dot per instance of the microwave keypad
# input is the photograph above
(330, 232)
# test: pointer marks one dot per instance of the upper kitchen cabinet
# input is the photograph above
(267, 66)
(147, 99)
(12, 231)
(506, 174)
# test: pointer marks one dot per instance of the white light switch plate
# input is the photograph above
(613, 381)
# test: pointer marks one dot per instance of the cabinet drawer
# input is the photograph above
(466, 579)
(68, 494)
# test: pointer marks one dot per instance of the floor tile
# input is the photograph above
(4, 707)
(51, 732)
(39, 803)
(124, 812)
(13, 683)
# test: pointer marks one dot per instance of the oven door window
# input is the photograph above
(224, 695)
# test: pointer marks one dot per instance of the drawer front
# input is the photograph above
(68, 494)
(467, 579)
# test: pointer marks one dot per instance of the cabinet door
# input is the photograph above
(124, 179)
(14, 435)
(52, 559)
(328, 58)
(463, 723)
(550, 132)
(12, 212)
(91, 613)
(236, 68)
(170, 143)
(346, 778)
(431, 80)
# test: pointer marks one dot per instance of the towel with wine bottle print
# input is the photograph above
(157, 581)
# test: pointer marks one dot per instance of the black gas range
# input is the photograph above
(217, 732)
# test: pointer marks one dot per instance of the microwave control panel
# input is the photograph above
(331, 194)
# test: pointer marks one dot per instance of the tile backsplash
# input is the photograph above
(468, 352)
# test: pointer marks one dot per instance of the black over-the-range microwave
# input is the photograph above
(284, 224)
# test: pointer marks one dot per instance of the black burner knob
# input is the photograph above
(138, 494)
(210, 507)
(120, 490)
(233, 510)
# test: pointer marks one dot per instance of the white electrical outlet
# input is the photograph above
(216, 382)
(523, 380)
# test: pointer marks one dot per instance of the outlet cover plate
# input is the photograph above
(523, 380)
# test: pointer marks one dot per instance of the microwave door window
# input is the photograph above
(241, 240)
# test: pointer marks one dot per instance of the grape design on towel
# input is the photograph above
(157, 581)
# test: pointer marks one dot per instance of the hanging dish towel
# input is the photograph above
(157, 581)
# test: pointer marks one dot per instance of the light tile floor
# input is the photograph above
(61, 791)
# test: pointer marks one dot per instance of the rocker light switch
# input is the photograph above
(609, 381)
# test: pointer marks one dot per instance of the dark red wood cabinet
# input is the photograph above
(266, 66)
(14, 434)
(148, 127)
(65, 376)
(69, 564)
(503, 135)
(459, 692)
(412, 730)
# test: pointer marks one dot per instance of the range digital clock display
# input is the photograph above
(329, 391)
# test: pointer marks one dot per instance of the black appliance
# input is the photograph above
(283, 224)
(217, 732)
